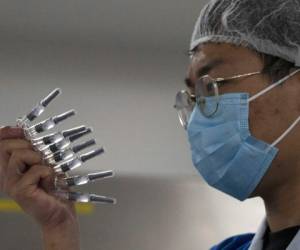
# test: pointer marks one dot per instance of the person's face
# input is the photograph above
(270, 115)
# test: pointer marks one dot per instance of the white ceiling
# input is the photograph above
(125, 23)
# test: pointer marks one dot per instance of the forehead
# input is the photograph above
(230, 56)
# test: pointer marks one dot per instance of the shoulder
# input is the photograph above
(239, 242)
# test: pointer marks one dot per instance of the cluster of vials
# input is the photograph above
(60, 151)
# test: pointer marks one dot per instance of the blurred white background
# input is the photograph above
(119, 64)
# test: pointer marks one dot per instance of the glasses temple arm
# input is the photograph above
(237, 76)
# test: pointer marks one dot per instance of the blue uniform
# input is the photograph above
(239, 242)
(253, 242)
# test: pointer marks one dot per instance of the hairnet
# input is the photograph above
(267, 26)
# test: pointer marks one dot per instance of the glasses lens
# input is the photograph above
(207, 95)
(184, 105)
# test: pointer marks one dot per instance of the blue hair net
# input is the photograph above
(267, 26)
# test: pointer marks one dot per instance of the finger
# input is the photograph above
(35, 175)
(20, 160)
(7, 146)
(25, 189)
(11, 133)
(48, 183)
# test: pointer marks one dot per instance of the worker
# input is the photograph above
(241, 113)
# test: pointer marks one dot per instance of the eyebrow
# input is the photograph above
(208, 67)
(204, 70)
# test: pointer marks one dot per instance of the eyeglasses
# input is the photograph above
(207, 97)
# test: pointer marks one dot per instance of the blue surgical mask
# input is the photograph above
(225, 153)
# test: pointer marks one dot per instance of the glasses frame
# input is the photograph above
(200, 100)
(183, 109)
(216, 83)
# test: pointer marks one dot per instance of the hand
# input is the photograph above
(5, 134)
(30, 183)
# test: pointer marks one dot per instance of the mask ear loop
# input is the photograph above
(252, 98)
(286, 132)
(270, 88)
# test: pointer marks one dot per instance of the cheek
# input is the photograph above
(269, 117)
(261, 124)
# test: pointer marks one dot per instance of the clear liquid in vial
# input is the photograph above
(38, 110)
(83, 198)
(75, 164)
(81, 180)
(49, 124)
